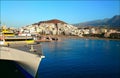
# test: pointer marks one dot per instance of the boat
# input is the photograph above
(18, 40)
(27, 57)
(6, 32)
(23, 51)
(8, 37)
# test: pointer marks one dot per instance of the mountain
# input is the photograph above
(115, 21)
(55, 21)
(111, 22)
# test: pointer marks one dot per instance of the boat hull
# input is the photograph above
(28, 61)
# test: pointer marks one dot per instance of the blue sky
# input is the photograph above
(21, 13)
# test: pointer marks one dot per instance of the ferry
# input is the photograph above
(23, 52)
(7, 37)
(7, 32)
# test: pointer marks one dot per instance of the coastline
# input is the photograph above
(61, 37)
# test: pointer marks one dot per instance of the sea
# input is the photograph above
(80, 58)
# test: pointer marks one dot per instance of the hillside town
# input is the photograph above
(59, 28)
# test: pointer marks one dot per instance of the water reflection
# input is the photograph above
(82, 44)
(80, 58)
(53, 46)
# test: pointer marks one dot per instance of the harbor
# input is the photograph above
(25, 52)
(60, 39)
(22, 52)
(81, 58)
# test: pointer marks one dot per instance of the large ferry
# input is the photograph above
(8, 37)
(22, 51)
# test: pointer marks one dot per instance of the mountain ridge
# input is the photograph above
(111, 22)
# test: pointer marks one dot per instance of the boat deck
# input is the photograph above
(8, 65)
(31, 48)
(18, 37)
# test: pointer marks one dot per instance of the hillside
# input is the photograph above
(54, 21)
(111, 22)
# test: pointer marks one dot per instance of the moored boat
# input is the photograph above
(8, 37)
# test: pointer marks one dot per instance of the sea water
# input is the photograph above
(80, 58)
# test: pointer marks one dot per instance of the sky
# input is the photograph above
(21, 13)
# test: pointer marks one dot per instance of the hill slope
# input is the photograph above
(112, 22)
(55, 21)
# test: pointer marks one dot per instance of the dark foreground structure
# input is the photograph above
(20, 61)
(9, 69)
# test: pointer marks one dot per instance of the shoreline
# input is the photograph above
(61, 37)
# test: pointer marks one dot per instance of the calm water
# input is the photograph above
(80, 58)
